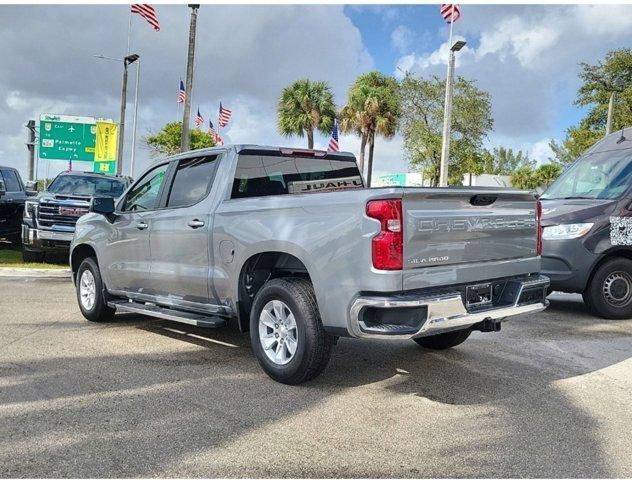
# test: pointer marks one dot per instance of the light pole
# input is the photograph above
(447, 115)
(137, 61)
(128, 60)
(184, 141)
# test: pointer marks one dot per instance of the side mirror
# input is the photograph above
(3, 189)
(102, 205)
(31, 188)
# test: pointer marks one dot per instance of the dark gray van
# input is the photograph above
(587, 220)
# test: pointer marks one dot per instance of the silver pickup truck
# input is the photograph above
(291, 245)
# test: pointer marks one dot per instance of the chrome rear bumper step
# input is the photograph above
(442, 313)
(151, 310)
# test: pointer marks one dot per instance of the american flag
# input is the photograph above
(148, 13)
(199, 120)
(224, 115)
(333, 140)
(182, 93)
(214, 134)
(450, 12)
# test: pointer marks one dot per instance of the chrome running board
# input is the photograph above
(168, 314)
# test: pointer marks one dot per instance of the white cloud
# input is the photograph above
(418, 63)
(515, 36)
(541, 151)
(401, 38)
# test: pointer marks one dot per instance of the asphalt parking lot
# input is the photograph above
(550, 395)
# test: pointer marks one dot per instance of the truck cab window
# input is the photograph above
(192, 181)
(144, 194)
(262, 175)
(11, 182)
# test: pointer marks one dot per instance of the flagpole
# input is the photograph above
(219, 125)
(129, 31)
(451, 30)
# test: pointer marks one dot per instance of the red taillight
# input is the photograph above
(388, 245)
(538, 223)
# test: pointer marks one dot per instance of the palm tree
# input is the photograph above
(306, 106)
(373, 108)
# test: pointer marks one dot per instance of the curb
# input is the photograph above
(35, 272)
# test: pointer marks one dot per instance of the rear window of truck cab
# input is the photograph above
(263, 175)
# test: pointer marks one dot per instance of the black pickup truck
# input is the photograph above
(49, 218)
(13, 194)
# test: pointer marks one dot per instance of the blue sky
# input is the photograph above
(525, 56)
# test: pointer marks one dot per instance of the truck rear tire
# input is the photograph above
(609, 293)
(444, 341)
(89, 287)
(286, 331)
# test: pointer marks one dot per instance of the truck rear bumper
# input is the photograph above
(407, 316)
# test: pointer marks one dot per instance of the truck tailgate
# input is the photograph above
(468, 227)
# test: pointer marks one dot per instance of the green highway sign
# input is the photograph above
(66, 137)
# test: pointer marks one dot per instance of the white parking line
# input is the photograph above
(174, 330)
(219, 342)
(213, 340)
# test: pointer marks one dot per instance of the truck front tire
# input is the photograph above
(609, 293)
(286, 331)
(30, 256)
(89, 287)
(444, 341)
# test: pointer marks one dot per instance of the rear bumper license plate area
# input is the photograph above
(478, 295)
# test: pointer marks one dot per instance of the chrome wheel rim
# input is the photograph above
(87, 290)
(278, 334)
(617, 289)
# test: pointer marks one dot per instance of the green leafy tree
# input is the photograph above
(304, 107)
(422, 125)
(504, 161)
(547, 173)
(599, 81)
(524, 178)
(373, 108)
(167, 140)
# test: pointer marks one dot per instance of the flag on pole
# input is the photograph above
(333, 139)
(182, 93)
(224, 115)
(148, 13)
(199, 120)
(450, 12)
(214, 134)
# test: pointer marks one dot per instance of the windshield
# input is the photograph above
(605, 174)
(87, 186)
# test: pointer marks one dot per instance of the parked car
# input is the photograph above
(49, 218)
(290, 244)
(13, 194)
(587, 219)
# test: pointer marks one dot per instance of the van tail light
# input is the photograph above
(538, 223)
(387, 247)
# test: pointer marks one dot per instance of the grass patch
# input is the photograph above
(13, 259)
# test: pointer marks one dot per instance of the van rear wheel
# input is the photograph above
(444, 341)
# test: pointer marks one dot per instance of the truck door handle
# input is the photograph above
(141, 225)
(195, 223)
